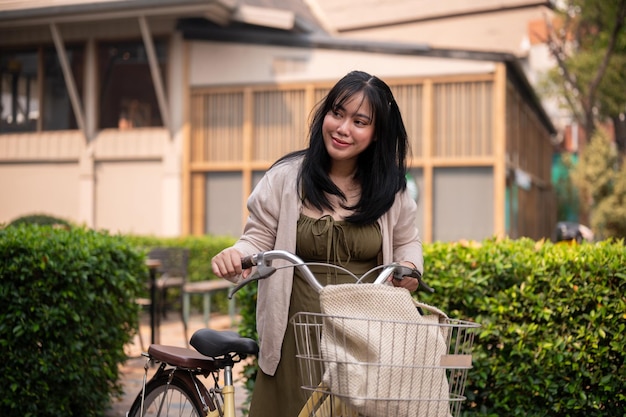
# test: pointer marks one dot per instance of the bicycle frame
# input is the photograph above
(176, 383)
(217, 351)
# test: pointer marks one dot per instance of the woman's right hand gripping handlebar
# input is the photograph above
(227, 264)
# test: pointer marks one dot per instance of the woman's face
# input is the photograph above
(349, 129)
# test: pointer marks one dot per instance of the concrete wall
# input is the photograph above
(128, 197)
(215, 63)
(38, 188)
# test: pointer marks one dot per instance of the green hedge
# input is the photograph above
(553, 319)
(68, 309)
(201, 251)
(551, 343)
(40, 219)
(553, 324)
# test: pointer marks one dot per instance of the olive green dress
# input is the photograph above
(355, 248)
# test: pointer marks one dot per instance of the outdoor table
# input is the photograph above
(153, 266)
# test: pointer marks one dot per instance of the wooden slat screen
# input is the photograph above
(463, 119)
(409, 99)
(217, 127)
(528, 143)
(243, 129)
(277, 121)
(528, 148)
(320, 94)
(513, 131)
(279, 124)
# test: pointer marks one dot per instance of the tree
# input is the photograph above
(587, 40)
(602, 181)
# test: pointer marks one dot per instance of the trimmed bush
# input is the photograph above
(553, 322)
(40, 219)
(68, 308)
(201, 250)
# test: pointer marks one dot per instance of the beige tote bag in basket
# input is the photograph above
(380, 353)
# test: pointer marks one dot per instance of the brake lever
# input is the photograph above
(262, 271)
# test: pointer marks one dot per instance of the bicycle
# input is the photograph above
(176, 389)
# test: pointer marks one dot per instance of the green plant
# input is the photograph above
(40, 219)
(68, 308)
(201, 251)
(601, 176)
(553, 320)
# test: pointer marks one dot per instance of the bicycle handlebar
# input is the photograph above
(263, 262)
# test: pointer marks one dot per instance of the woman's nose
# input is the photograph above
(343, 128)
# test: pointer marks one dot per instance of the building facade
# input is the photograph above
(158, 117)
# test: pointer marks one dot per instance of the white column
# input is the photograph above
(172, 152)
(87, 187)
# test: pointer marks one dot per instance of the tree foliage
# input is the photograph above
(587, 39)
(588, 42)
(601, 178)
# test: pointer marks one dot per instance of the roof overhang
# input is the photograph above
(195, 29)
(221, 12)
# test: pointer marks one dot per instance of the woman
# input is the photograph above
(343, 200)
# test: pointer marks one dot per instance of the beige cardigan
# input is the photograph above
(274, 208)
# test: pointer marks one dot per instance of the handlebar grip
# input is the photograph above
(405, 271)
(414, 273)
(248, 262)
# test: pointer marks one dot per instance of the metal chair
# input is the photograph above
(172, 274)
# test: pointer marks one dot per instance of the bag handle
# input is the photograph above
(431, 309)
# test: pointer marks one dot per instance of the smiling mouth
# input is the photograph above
(340, 142)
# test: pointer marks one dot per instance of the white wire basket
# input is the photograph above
(381, 368)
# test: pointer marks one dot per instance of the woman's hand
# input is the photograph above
(227, 264)
(409, 283)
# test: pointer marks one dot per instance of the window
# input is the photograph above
(127, 93)
(33, 90)
(19, 91)
(58, 113)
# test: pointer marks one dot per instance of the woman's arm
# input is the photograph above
(407, 245)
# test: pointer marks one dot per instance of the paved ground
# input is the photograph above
(171, 333)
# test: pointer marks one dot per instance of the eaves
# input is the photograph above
(218, 11)
(194, 29)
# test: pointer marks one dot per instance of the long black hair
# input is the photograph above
(381, 168)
